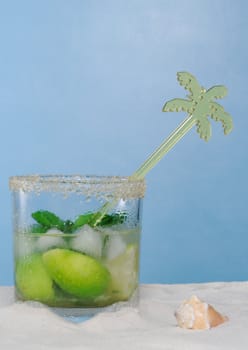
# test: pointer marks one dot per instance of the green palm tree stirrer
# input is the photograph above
(199, 105)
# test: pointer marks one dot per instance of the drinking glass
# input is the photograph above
(77, 240)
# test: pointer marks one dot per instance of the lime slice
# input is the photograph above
(124, 273)
(75, 273)
(32, 279)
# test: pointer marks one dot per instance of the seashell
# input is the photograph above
(195, 314)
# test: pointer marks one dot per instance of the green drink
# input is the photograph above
(67, 253)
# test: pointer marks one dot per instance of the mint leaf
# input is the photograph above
(83, 220)
(107, 220)
(113, 219)
(68, 226)
(47, 219)
(37, 228)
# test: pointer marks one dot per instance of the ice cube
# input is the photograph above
(88, 241)
(50, 239)
(124, 272)
(115, 246)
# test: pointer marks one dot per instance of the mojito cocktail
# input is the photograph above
(69, 252)
(77, 238)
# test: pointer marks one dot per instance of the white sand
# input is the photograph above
(152, 326)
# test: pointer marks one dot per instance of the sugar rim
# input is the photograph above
(88, 185)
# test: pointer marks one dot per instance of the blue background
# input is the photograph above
(82, 85)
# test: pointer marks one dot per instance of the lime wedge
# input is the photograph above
(32, 279)
(75, 273)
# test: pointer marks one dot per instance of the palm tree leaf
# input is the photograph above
(177, 105)
(219, 114)
(200, 105)
(203, 127)
(218, 91)
(189, 82)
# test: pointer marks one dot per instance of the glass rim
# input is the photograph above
(89, 185)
